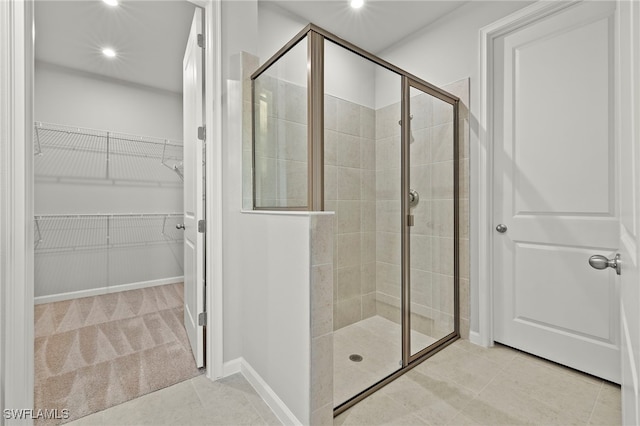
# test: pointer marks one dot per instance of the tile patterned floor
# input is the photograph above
(468, 385)
(461, 385)
(198, 401)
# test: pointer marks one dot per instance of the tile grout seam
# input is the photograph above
(595, 402)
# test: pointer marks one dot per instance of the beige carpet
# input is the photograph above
(96, 352)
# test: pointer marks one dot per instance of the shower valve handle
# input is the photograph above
(180, 226)
(414, 198)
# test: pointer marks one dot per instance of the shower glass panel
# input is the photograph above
(335, 128)
(431, 203)
(280, 126)
(362, 170)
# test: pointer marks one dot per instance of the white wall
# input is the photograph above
(276, 26)
(348, 76)
(276, 304)
(444, 52)
(447, 50)
(239, 33)
(266, 259)
(66, 96)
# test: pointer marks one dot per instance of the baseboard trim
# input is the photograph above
(279, 408)
(106, 290)
(232, 367)
(474, 337)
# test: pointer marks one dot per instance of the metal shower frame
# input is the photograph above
(315, 176)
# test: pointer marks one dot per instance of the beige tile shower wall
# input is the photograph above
(281, 143)
(387, 205)
(432, 243)
(321, 381)
(350, 192)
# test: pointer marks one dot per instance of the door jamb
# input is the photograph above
(213, 186)
(481, 160)
(16, 209)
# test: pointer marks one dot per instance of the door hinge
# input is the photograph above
(202, 226)
(202, 318)
(201, 40)
(202, 133)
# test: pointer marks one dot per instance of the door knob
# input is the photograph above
(180, 226)
(501, 228)
(598, 261)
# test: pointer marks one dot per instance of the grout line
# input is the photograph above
(448, 381)
(193, 386)
(595, 402)
(254, 408)
(502, 368)
(572, 414)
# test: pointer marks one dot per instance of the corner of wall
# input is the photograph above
(274, 402)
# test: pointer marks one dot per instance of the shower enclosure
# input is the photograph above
(338, 129)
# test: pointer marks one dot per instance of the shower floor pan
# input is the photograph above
(378, 341)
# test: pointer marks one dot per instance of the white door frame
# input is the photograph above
(16, 206)
(481, 156)
(16, 200)
(481, 159)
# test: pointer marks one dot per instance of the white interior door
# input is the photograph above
(628, 125)
(555, 189)
(194, 283)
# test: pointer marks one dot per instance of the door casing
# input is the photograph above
(481, 156)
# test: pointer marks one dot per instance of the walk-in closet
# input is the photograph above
(108, 185)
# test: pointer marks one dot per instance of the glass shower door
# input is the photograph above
(432, 214)
(362, 170)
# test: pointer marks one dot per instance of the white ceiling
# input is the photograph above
(375, 26)
(150, 36)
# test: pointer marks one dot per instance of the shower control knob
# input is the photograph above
(414, 198)
(501, 228)
(180, 226)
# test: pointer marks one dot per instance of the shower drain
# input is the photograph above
(355, 357)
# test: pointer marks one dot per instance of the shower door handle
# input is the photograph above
(180, 226)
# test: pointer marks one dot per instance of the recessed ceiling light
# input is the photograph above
(111, 2)
(109, 52)
(356, 4)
